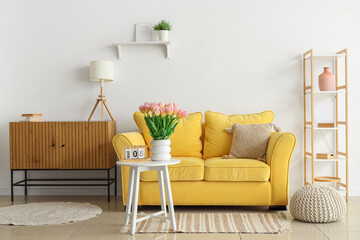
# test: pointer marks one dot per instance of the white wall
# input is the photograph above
(227, 56)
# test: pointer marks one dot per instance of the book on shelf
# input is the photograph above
(326, 125)
(32, 117)
(326, 155)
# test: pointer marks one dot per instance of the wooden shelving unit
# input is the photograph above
(310, 92)
(119, 46)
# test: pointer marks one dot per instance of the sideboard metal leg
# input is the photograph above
(12, 185)
(26, 192)
(108, 184)
(115, 180)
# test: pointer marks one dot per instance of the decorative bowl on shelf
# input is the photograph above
(329, 181)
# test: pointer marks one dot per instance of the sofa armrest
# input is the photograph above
(280, 148)
(126, 139)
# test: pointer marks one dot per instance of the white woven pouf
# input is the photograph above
(317, 204)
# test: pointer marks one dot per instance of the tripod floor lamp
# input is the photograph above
(101, 71)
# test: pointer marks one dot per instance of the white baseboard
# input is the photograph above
(354, 193)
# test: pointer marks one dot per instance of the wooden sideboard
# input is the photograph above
(62, 146)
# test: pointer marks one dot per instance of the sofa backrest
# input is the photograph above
(215, 141)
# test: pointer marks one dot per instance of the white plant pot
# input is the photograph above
(164, 35)
(160, 150)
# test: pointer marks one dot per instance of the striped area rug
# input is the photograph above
(270, 223)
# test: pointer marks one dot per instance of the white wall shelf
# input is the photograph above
(322, 128)
(325, 57)
(326, 92)
(329, 160)
(119, 46)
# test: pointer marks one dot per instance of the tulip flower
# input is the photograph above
(162, 112)
(157, 112)
(168, 105)
(142, 108)
(182, 113)
(151, 105)
(179, 113)
(175, 109)
(169, 110)
(147, 107)
(154, 108)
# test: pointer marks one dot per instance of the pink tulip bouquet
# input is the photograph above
(161, 118)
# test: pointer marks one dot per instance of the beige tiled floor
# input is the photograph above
(108, 224)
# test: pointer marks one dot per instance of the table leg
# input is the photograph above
(135, 200)
(108, 184)
(162, 192)
(115, 178)
(26, 182)
(169, 198)
(129, 195)
(12, 185)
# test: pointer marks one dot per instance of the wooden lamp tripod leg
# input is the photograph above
(107, 108)
(97, 102)
(102, 110)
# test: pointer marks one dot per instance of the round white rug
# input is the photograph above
(47, 213)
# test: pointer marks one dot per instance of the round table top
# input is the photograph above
(153, 163)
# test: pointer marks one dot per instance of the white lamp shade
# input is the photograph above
(101, 71)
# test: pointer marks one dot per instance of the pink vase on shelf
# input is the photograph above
(327, 80)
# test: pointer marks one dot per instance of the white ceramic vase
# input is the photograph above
(160, 150)
(164, 35)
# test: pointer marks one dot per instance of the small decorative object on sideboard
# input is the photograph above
(163, 28)
(143, 32)
(32, 117)
(327, 80)
(161, 119)
(326, 125)
(326, 155)
(139, 152)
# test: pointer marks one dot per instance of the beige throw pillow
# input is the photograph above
(250, 140)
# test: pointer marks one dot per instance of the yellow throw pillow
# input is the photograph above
(185, 141)
(217, 139)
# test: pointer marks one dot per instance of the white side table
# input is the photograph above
(136, 167)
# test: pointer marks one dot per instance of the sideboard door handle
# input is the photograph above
(63, 145)
(53, 145)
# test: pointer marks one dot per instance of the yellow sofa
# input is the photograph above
(217, 181)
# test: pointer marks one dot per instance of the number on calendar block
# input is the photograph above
(131, 153)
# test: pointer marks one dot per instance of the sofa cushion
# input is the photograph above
(217, 139)
(185, 141)
(236, 170)
(250, 140)
(190, 169)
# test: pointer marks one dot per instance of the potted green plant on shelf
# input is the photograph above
(161, 120)
(163, 28)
